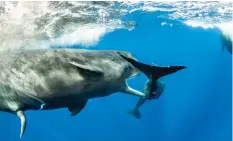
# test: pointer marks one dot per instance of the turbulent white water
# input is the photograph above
(25, 25)
(44, 24)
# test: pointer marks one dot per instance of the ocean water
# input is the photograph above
(197, 102)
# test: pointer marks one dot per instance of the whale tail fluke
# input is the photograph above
(135, 112)
(158, 71)
(155, 71)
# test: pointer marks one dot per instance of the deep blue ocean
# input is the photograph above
(195, 106)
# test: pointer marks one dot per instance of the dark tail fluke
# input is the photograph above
(158, 72)
(155, 71)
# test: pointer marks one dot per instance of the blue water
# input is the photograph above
(196, 104)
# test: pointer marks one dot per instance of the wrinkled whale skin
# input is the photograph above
(28, 79)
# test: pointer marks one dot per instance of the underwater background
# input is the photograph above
(196, 103)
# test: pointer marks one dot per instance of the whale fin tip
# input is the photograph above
(22, 118)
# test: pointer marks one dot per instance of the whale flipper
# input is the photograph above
(87, 70)
(135, 112)
(22, 118)
(76, 108)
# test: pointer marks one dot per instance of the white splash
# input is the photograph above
(42, 24)
(202, 24)
(29, 25)
(193, 13)
(164, 23)
(87, 35)
(226, 29)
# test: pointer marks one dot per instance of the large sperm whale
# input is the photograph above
(67, 78)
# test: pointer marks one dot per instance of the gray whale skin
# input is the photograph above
(50, 79)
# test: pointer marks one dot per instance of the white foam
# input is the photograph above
(202, 24)
(164, 23)
(40, 24)
(28, 25)
(226, 29)
(86, 35)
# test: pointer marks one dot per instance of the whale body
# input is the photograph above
(67, 78)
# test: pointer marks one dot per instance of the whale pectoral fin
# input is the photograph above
(76, 108)
(87, 70)
(22, 118)
(128, 90)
